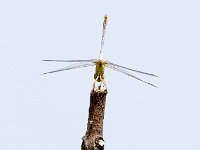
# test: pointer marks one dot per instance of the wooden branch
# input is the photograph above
(93, 139)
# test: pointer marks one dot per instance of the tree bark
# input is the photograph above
(93, 139)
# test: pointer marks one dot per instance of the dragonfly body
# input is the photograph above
(100, 64)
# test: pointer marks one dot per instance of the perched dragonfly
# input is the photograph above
(101, 64)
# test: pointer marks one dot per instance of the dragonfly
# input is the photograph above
(101, 64)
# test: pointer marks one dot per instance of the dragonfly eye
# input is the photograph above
(95, 76)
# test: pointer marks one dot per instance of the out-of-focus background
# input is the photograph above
(50, 112)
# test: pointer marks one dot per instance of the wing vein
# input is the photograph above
(122, 70)
(73, 66)
(86, 60)
(110, 63)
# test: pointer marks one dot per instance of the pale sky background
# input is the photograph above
(50, 112)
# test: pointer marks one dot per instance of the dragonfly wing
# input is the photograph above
(123, 70)
(86, 60)
(73, 66)
(112, 64)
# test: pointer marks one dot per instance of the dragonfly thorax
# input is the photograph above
(99, 73)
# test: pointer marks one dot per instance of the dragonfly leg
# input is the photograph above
(103, 85)
(99, 86)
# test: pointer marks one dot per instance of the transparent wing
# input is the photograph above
(122, 70)
(86, 60)
(112, 64)
(73, 66)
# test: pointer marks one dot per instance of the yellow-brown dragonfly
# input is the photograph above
(101, 64)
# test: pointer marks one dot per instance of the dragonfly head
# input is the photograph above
(99, 77)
